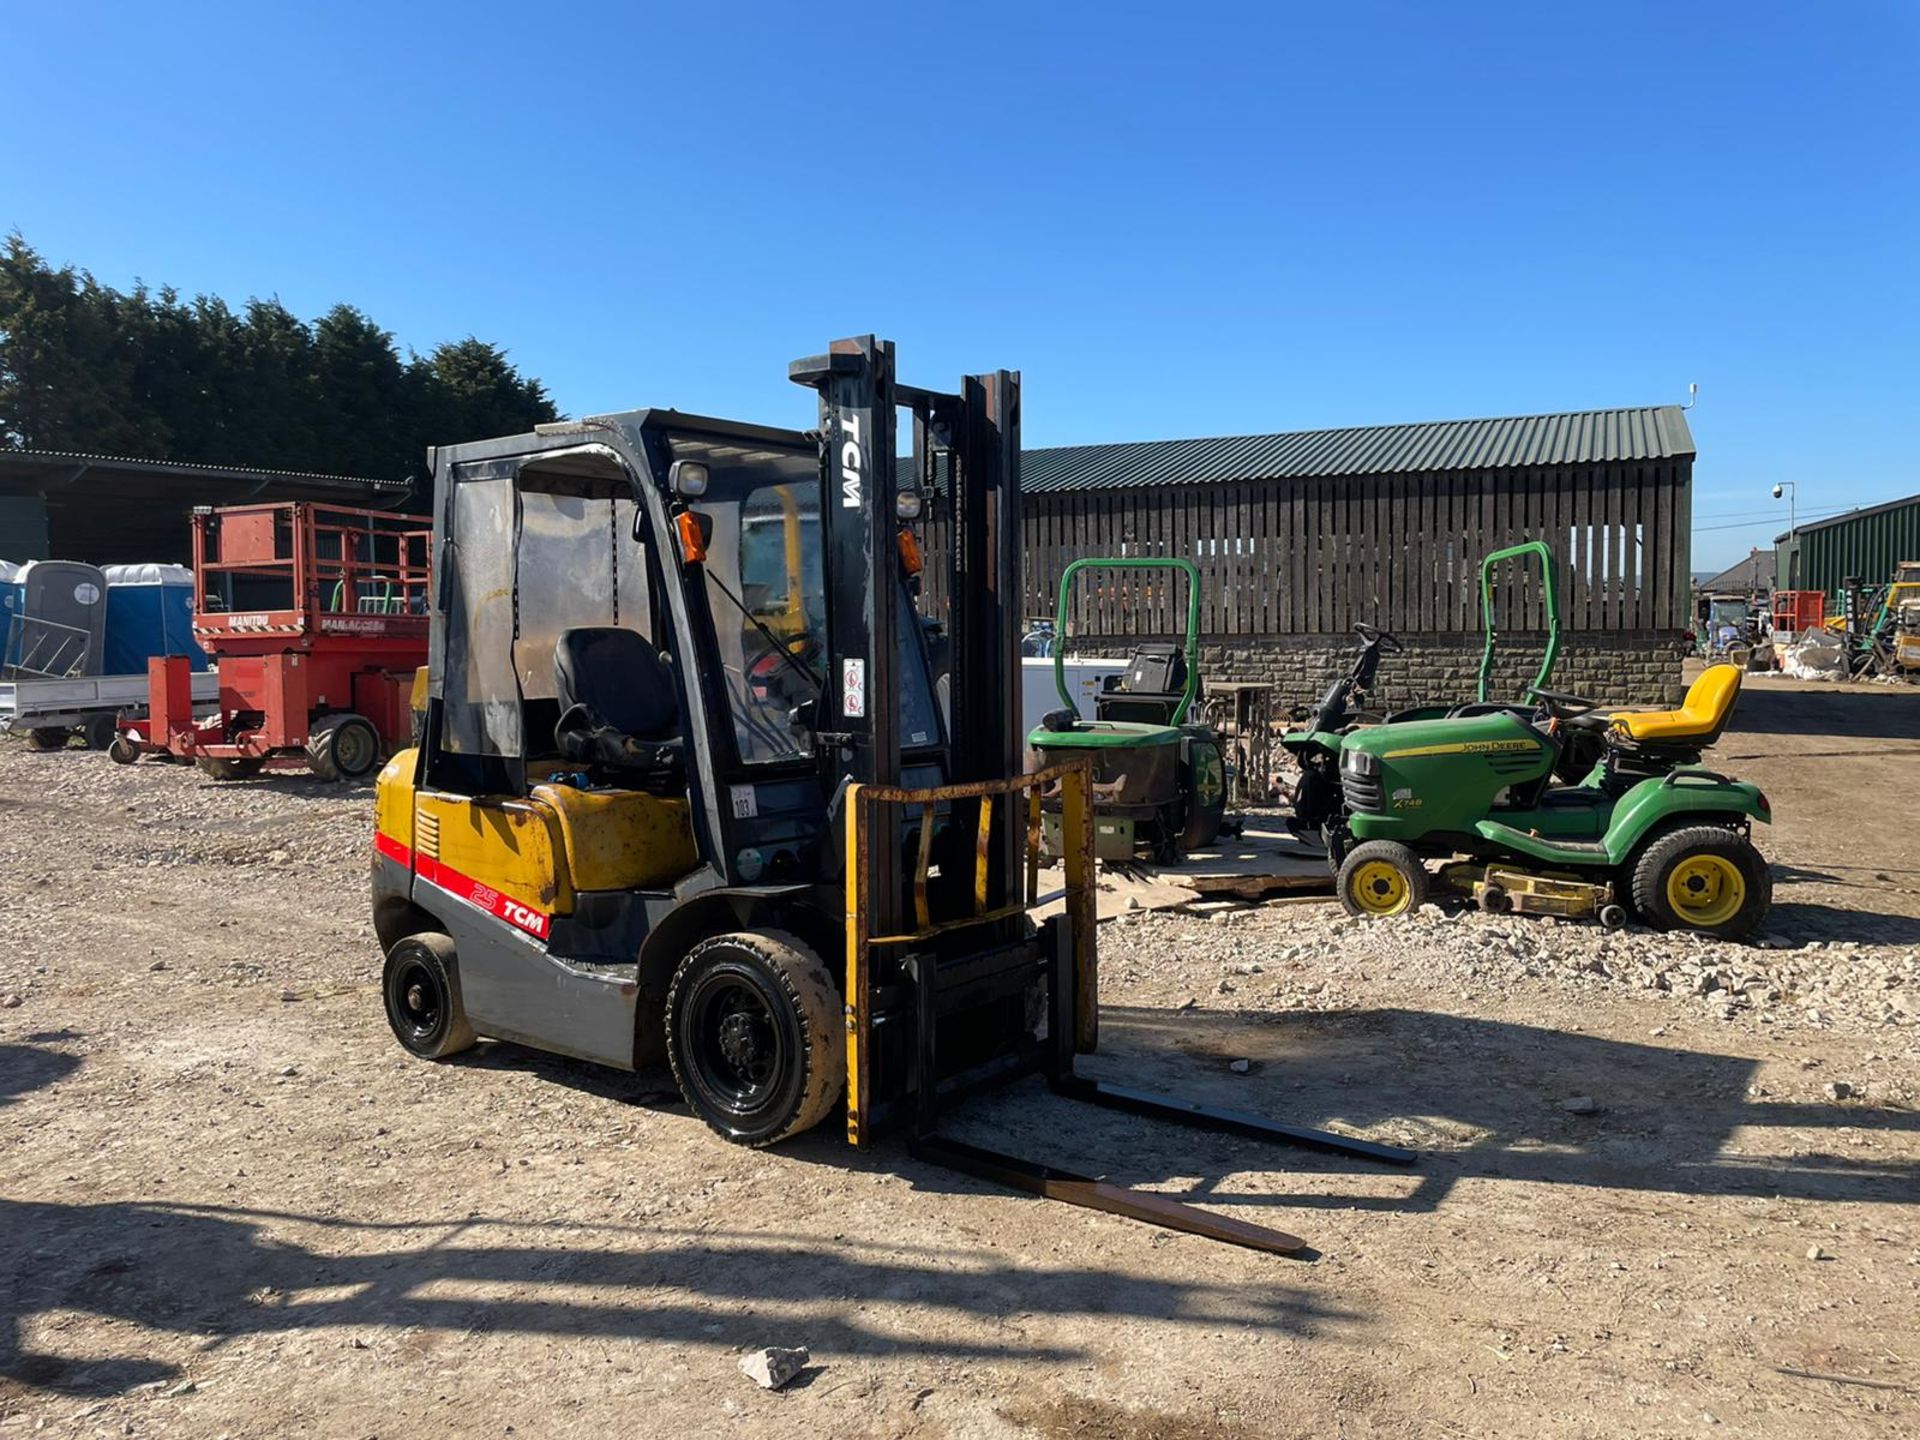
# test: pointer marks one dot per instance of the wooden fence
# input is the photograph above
(1311, 557)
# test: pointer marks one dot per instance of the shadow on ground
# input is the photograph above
(1892, 713)
(26, 1068)
(226, 1273)
(1484, 1100)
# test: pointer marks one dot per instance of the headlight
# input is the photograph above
(688, 479)
(907, 504)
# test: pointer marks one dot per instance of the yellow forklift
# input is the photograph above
(667, 807)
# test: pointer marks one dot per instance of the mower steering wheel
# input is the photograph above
(1374, 635)
(1561, 705)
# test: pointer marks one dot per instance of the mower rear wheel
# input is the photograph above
(1382, 877)
(1205, 782)
(756, 1036)
(49, 737)
(1703, 878)
(422, 989)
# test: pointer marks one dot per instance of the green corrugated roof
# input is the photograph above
(1884, 508)
(1654, 432)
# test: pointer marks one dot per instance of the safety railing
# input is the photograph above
(1072, 783)
(313, 559)
(42, 649)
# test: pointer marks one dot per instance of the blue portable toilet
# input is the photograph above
(11, 598)
(149, 614)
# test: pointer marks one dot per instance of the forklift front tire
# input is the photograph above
(1382, 878)
(756, 1036)
(423, 997)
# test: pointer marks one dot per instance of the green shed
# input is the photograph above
(1867, 543)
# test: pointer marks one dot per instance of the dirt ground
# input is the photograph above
(230, 1205)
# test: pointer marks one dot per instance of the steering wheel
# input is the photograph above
(1374, 635)
(1560, 705)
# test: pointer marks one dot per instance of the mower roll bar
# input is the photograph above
(1550, 586)
(1131, 562)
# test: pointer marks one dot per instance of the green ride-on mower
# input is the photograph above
(1646, 831)
(1159, 780)
(1318, 807)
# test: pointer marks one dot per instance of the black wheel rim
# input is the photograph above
(739, 1051)
(417, 1001)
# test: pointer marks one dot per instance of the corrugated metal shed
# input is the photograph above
(1867, 543)
(1657, 432)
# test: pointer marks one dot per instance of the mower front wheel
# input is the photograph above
(1382, 878)
(1703, 878)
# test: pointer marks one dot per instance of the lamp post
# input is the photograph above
(1786, 487)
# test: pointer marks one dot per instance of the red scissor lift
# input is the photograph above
(316, 618)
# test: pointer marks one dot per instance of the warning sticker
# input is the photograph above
(853, 689)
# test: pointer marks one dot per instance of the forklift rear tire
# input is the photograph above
(49, 737)
(756, 1036)
(1383, 878)
(422, 988)
(1703, 878)
(343, 747)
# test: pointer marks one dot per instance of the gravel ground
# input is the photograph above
(1664, 1186)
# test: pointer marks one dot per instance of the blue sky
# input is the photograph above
(1176, 220)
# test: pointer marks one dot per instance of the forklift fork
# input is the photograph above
(976, 970)
(1062, 957)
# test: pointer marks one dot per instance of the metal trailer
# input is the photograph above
(50, 709)
(317, 619)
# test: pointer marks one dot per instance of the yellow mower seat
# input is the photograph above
(1700, 718)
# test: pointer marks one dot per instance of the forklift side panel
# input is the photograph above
(506, 856)
(514, 990)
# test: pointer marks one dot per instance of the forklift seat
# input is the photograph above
(1699, 720)
(619, 704)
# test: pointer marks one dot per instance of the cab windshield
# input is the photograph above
(766, 590)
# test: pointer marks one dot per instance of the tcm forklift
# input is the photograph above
(649, 819)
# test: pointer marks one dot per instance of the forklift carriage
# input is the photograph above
(683, 790)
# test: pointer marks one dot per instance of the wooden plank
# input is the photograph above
(1299, 568)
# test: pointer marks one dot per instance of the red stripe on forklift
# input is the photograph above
(485, 897)
(386, 845)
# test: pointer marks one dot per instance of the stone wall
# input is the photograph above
(1614, 667)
